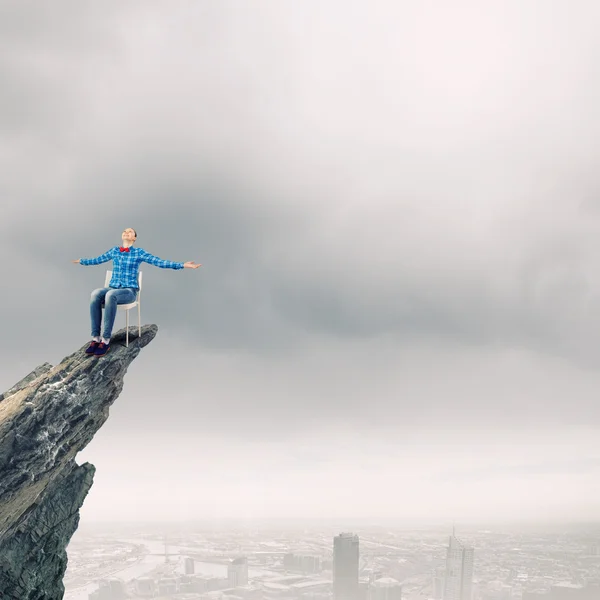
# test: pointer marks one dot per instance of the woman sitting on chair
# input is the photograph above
(123, 286)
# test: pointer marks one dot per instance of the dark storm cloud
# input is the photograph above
(266, 271)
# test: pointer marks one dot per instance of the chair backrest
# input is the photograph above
(109, 275)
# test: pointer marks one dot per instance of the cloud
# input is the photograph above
(585, 466)
(391, 199)
(395, 208)
(342, 473)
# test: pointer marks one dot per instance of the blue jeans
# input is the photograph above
(110, 297)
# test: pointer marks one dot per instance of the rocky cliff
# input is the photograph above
(45, 420)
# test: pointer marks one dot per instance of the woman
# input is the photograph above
(123, 286)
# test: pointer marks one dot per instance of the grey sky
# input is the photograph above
(395, 205)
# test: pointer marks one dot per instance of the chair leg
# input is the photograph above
(139, 320)
(126, 328)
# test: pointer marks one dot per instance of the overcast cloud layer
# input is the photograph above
(396, 208)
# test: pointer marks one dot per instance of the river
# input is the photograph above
(146, 564)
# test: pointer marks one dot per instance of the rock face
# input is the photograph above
(45, 420)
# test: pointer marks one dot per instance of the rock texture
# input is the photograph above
(45, 420)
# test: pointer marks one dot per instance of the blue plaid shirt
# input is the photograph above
(126, 265)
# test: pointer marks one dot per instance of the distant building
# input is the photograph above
(458, 579)
(310, 563)
(237, 572)
(374, 574)
(189, 566)
(214, 584)
(186, 587)
(288, 561)
(305, 563)
(145, 586)
(201, 584)
(167, 585)
(385, 588)
(572, 591)
(438, 587)
(363, 588)
(345, 567)
(109, 589)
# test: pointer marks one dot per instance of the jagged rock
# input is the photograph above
(26, 380)
(45, 420)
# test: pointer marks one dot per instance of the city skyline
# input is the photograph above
(394, 564)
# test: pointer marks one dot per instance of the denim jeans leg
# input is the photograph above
(96, 300)
(113, 297)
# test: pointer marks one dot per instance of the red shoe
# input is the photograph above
(102, 349)
(92, 347)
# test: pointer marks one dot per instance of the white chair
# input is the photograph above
(128, 307)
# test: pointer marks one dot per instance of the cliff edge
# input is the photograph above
(45, 420)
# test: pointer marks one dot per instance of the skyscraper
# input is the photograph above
(189, 565)
(458, 581)
(385, 588)
(237, 572)
(345, 567)
(438, 588)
